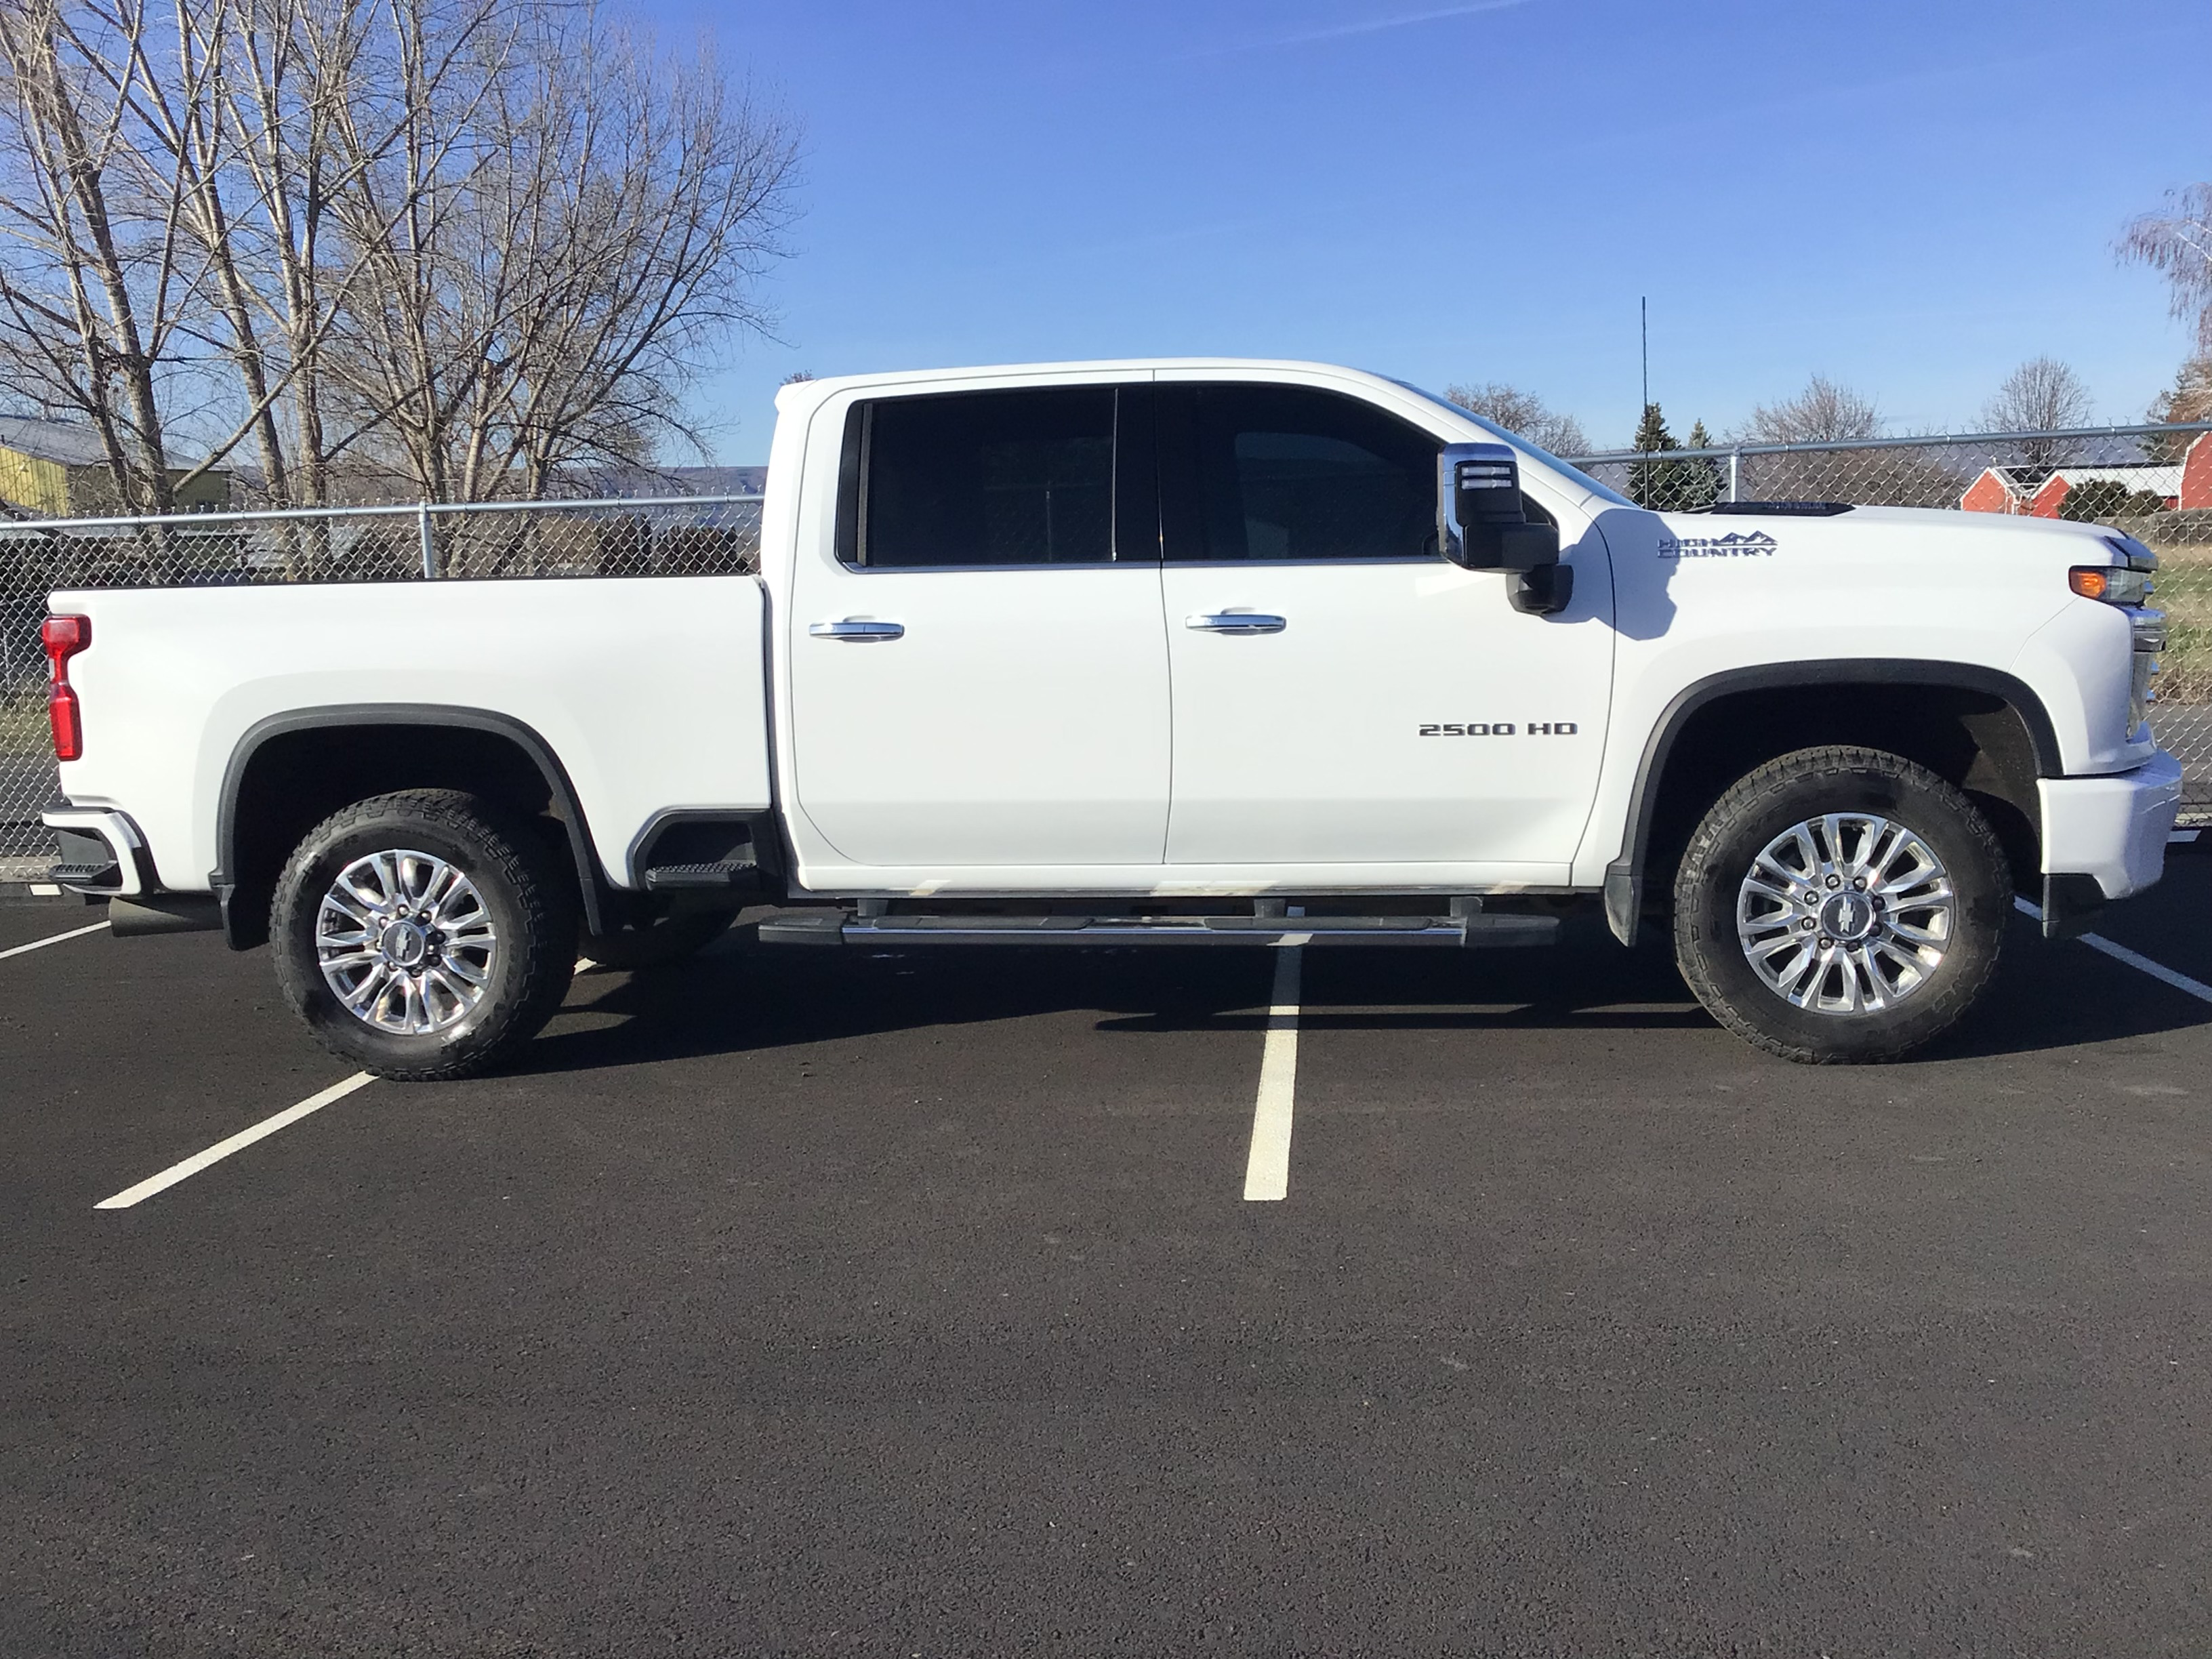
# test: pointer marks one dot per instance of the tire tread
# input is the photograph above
(1947, 1002)
(511, 850)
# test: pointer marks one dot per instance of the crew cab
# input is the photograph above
(1196, 652)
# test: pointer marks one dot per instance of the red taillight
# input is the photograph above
(69, 725)
(63, 637)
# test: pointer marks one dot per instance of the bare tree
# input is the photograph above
(2190, 396)
(2041, 395)
(549, 304)
(2188, 400)
(645, 238)
(1829, 413)
(2178, 244)
(1824, 412)
(468, 243)
(1523, 413)
(90, 285)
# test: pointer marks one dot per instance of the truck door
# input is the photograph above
(1342, 694)
(978, 662)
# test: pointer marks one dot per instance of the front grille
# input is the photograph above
(2149, 629)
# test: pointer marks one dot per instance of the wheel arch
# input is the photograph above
(1992, 736)
(287, 768)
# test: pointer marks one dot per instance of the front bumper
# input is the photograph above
(2111, 829)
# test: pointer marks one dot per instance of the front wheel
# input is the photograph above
(1840, 905)
(424, 935)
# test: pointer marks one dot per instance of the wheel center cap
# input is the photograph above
(1848, 916)
(404, 944)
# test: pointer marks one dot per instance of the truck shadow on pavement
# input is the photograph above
(741, 996)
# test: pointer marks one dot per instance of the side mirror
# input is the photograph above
(1480, 524)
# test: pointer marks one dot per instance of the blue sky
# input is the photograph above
(1909, 198)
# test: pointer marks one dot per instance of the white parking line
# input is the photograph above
(245, 1138)
(41, 943)
(1267, 1167)
(237, 1143)
(2134, 959)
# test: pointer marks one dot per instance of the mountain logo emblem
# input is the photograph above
(1736, 545)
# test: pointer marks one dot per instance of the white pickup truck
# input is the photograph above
(1177, 652)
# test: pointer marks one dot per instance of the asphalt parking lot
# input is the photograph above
(820, 1302)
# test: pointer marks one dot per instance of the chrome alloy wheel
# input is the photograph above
(405, 942)
(1845, 913)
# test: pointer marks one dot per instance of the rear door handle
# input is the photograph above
(856, 632)
(1235, 621)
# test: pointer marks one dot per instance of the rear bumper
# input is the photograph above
(103, 853)
(2111, 829)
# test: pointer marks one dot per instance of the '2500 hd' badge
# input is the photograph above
(1499, 729)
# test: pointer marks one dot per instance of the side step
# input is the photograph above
(1472, 932)
(109, 874)
(685, 878)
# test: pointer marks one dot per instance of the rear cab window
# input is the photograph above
(1018, 478)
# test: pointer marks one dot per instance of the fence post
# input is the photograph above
(429, 544)
(1735, 475)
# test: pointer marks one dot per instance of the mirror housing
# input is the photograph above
(1482, 526)
(1479, 520)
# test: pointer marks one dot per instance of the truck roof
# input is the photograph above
(810, 391)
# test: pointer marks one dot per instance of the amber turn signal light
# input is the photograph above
(2114, 584)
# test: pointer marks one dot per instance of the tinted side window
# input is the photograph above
(1286, 472)
(980, 478)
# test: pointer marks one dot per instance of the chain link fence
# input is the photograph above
(2142, 480)
(680, 535)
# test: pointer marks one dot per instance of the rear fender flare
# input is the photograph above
(596, 890)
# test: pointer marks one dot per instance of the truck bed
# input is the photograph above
(650, 692)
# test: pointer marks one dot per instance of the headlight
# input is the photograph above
(2133, 554)
(2112, 583)
(2128, 588)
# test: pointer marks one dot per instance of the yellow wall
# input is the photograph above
(52, 490)
(91, 493)
(41, 486)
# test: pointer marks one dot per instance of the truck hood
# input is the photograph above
(1881, 536)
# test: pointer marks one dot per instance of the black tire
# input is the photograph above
(666, 938)
(1799, 789)
(527, 898)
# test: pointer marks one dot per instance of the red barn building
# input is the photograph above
(2040, 492)
(2196, 473)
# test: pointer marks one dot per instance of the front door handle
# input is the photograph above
(855, 631)
(1235, 621)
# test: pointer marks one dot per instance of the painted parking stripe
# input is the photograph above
(57, 938)
(237, 1143)
(1267, 1167)
(245, 1138)
(2134, 959)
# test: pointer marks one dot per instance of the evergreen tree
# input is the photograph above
(1671, 486)
(1699, 484)
(1648, 479)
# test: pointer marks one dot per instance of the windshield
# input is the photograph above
(1605, 492)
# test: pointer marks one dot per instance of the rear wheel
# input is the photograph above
(1840, 905)
(424, 935)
